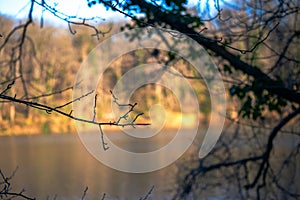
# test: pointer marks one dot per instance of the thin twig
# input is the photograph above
(126, 114)
(264, 166)
(103, 196)
(6, 191)
(50, 109)
(84, 193)
(104, 144)
(8, 87)
(77, 99)
(95, 107)
(148, 194)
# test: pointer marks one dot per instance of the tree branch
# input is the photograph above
(267, 83)
(265, 162)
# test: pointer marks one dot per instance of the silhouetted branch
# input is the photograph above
(263, 158)
(56, 109)
(8, 87)
(118, 122)
(148, 194)
(284, 51)
(10, 80)
(74, 100)
(50, 94)
(244, 51)
(126, 114)
(6, 193)
(104, 144)
(103, 196)
(264, 166)
(84, 193)
(95, 107)
(33, 97)
(287, 161)
(50, 109)
(217, 47)
(73, 20)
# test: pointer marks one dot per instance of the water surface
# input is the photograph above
(59, 165)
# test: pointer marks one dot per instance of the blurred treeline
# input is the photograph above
(52, 56)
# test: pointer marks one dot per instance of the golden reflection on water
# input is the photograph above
(59, 165)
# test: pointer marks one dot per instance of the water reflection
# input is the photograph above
(60, 165)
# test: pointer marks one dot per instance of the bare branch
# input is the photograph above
(84, 193)
(6, 190)
(103, 196)
(148, 194)
(104, 144)
(265, 162)
(50, 109)
(216, 47)
(74, 100)
(73, 20)
(95, 107)
(263, 166)
(8, 87)
(50, 94)
(126, 114)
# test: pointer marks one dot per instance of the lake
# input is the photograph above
(60, 165)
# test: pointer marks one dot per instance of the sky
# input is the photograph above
(19, 9)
